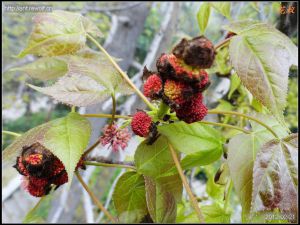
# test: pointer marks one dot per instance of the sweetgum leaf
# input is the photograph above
(129, 198)
(45, 68)
(275, 177)
(267, 55)
(242, 150)
(203, 16)
(65, 137)
(58, 33)
(161, 199)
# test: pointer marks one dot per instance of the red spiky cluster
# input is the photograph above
(153, 87)
(180, 78)
(141, 124)
(41, 169)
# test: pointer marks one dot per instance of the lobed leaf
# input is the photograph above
(45, 68)
(75, 90)
(58, 33)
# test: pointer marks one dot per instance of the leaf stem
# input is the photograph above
(11, 133)
(109, 165)
(222, 43)
(94, 198)
(127, 79)
(91, 148)
(226, 125)
(185, 184)
(106, 116)
(227, 197)
(246, 116)
(113, 108)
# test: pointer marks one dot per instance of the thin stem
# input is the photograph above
(11, 133)
(106, 116)
(222, 43)
(163, 109)
(226, 125)
(113, 109)
(227, 197)
(109, 165)
(91, 148)
(246, 116)
(94, 198)
(185, 184)
(127, 79)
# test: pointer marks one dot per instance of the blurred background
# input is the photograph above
(136, 32)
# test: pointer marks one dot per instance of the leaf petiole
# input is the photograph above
(11, 133)
(127, 79)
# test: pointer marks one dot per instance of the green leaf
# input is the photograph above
(46, 68)
(67, 138)
(203, 16)
(223, 8)
(234, 84)
(214, 190)
(153, 160)
(215, 213)
(129, 198)
(39, 213)
(75, 90)
(193, 138)
(267, 55)
(161, 201)
(242, 150)
(91, 79)
(275, 177)
(58, 33)
(184, 215)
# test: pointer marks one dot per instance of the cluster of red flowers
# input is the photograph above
(115, 137)
(41, 169)
(180, 78)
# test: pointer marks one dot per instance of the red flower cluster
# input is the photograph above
(41, 169)
(181, 78)
(114, 137)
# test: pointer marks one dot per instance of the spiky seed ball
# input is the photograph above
(20, 166)
(171, 67)
(192, 111)
(198, 52)
(153, 87)
(141, 124)
(176, 92)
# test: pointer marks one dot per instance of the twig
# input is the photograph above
(94, 198)
(185, 184)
